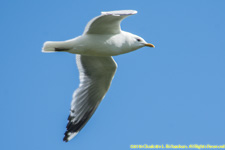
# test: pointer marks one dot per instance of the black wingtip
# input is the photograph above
(60, 49)
(65, 139)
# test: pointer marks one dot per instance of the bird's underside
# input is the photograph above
(96, 74)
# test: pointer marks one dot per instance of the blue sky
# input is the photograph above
(173, 94)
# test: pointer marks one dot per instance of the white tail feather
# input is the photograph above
(50, 46)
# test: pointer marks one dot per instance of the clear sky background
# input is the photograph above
(173, 94)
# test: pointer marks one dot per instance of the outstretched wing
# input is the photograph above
(96, 74)
(107, 22)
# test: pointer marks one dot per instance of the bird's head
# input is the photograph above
(140, 42)
(128, 42)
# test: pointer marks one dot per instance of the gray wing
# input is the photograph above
(107, 22)
(96, 74)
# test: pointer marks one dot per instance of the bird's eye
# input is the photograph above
(138, 39)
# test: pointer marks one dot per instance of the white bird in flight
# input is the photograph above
(102, 39)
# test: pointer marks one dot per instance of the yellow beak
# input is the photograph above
(150, 45)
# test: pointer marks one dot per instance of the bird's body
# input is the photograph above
(102, 38)
(95, 45)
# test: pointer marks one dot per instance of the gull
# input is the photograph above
(102, 39)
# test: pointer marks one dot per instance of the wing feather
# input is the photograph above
(107, 22)
(96, 74)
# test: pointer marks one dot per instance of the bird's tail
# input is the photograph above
(50, 46)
